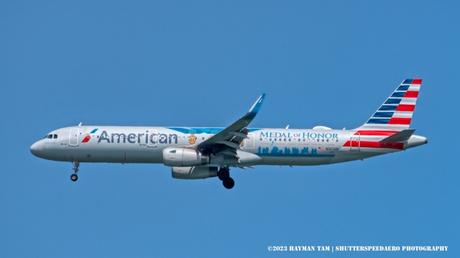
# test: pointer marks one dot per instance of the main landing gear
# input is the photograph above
(224, 176)
(74, 176)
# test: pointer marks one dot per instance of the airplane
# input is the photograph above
(204, 152)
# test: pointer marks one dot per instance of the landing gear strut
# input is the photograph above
(74, 176)
(224, 176)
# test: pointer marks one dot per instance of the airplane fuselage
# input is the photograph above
(269, 146)
(201, 152)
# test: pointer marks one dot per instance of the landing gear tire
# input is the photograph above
(74, 177)
(223, 173)
(76, 166)
(228, 183)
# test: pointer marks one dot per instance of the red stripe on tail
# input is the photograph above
(411, 94)
(399, 121)
(405, 107)
(417, 81)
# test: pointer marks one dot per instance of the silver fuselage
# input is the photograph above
(272, 146)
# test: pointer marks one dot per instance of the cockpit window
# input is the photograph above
(55, 136)
(50, 136)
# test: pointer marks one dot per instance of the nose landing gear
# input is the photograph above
(74, 176)
(224, 176)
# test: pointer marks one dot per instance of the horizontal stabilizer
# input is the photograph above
(404, 135)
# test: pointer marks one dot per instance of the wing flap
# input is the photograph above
(229, 144)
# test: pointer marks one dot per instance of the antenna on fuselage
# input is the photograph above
(79, 124)
(287, 127)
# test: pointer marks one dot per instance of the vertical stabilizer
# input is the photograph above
(395, 114)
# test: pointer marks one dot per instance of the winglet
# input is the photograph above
(256, 106)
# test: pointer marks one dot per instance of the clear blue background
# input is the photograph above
(202, 63)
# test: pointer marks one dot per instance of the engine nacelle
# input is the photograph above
(193, 172)
(183, 157)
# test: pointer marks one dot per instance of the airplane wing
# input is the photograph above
(404, 135)
(227, 141)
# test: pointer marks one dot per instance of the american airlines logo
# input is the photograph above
(87, 137)
(139, 138)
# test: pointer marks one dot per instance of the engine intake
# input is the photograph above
(193, 172)
(183, 157)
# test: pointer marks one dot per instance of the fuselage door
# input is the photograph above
(355, 142)
(74, 135)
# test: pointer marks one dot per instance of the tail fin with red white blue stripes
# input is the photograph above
(395, 114)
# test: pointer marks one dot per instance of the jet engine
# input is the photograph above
(193, 172)
(183, 157)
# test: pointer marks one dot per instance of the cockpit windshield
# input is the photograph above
(51, 136)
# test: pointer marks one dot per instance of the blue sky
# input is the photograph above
(202, 63)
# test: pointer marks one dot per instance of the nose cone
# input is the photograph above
(36, 148)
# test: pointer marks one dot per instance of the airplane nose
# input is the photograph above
(35, 149)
